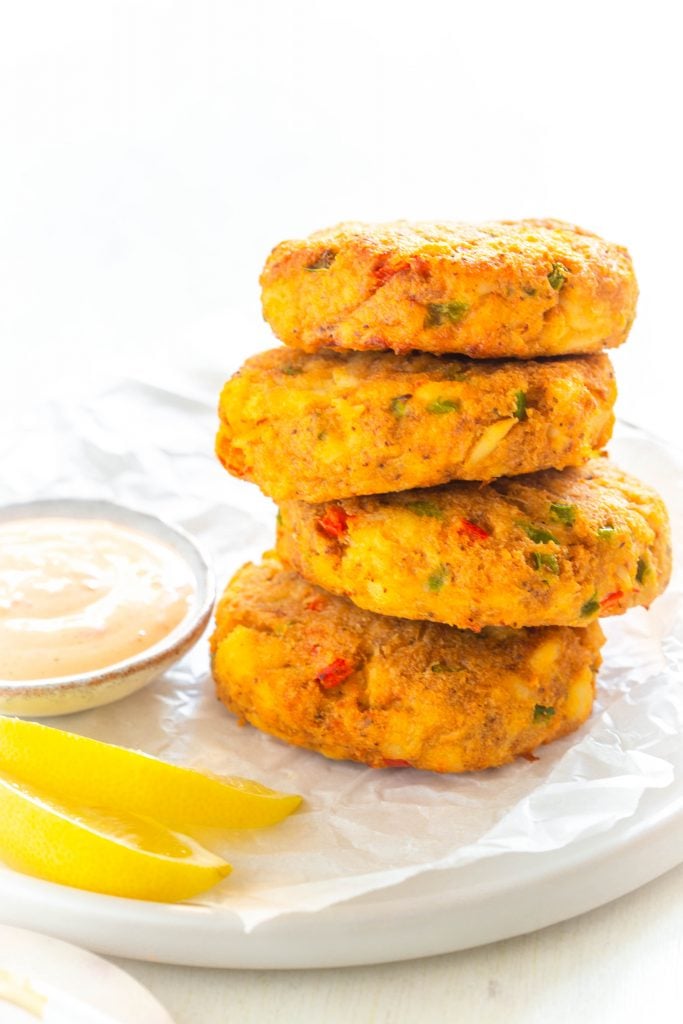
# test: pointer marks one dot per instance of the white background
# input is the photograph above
(151, 155)
(154, 151)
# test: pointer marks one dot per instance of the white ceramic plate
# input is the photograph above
(435, 913)
(47, 697)
(44, 979)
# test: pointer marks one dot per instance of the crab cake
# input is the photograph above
(327, 425)
(318, 672)
(505, 289)
(540, 550)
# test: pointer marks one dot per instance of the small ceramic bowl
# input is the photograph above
(62, 696)
(42, 978)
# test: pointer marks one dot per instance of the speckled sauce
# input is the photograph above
(78, 595)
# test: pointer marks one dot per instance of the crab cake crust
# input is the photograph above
(546, 549)
(504, 289)
(327, 425)
(317, 672)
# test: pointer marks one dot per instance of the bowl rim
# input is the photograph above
(170, 647)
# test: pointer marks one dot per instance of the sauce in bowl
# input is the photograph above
(80, 594)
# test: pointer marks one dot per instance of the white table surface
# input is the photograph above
(152, 153)
(622, 963)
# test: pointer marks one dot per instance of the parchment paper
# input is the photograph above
(151, 446)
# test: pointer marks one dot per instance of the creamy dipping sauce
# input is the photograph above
(84, 594)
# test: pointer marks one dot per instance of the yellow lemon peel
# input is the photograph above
(89, 772)
(101, 850)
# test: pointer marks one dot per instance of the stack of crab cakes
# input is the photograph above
(449, 530)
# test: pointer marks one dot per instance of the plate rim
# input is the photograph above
(363, 930)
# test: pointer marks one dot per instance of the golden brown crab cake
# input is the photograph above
(552, 548)
(316, 671)
(510, 289)
(327, 425)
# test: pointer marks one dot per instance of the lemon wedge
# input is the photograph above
(104, 851)
(92, 773)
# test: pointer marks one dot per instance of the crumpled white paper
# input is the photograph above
(360, 830)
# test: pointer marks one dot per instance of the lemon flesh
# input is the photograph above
(89, 772)
(104, 851)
